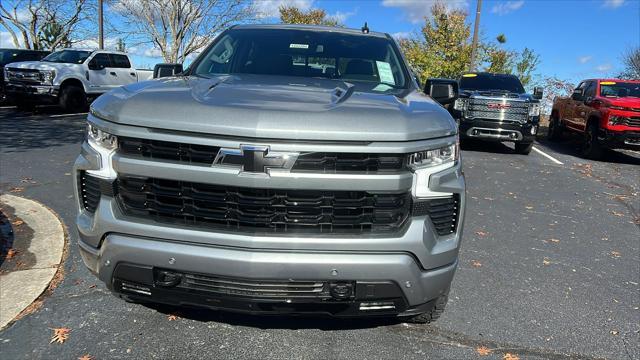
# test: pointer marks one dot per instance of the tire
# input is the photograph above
(591, 147)
(73, 99)
(433, 314)
(524, 148)
(555, 130)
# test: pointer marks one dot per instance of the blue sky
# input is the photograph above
(575, 39)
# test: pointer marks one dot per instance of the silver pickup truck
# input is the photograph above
(290, 169)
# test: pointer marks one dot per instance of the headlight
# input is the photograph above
(430, 158)
(460, 104)
(101, 140)
(47, 76)
(534, 110)
(616, 120)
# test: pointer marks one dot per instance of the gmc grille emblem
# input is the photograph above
(499, 106)
(255, 159)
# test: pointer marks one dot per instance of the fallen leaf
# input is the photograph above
(172, 317)
(488, 198)
(60, 335)
(86, 357)
(16, 189)
(481, 233)
(528, 207)
(476, 263)
(616, 254)
(92, 286)
(616, 213)
(509, 356)
(614, 332)
(546, 261)
(554, 240)
(17, 222)
(483, 351)
(11, 253)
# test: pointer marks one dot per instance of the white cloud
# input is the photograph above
(270, 8)
(401, 35)
(6, 41)
(604, 67)
(584, 59)
(342, 16)
(417, 10)
(504, 8)
(613, 3)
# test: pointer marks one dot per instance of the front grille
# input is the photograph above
(262, 210)
(443, 212)
(479, 108)
(256, 288)
(23, 76)
(89, 188)
(308, 162)
(633, 121)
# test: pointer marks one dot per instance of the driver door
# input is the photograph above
(572, 104)
(100, 79)
(582, 110)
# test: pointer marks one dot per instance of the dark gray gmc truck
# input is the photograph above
(290, 169)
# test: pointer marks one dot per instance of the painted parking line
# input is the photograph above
(547, 156)
(7, 107)
(63, 115)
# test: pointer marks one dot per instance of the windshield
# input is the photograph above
(313, 54)
(619, 89)
(486, 82)
(68, 56)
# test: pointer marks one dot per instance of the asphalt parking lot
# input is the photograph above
(549, 269)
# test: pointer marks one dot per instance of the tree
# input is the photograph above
(42, 24)
(500, 60)
(554, 87)
(179, 28)
(293, 15)
(631, 62)
(442, 48)
(526, 64)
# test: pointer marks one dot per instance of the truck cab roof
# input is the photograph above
(307, 27)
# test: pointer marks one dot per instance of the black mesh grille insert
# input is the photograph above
(89, 188)
(443, 212)
(262, 210)
(314, 162)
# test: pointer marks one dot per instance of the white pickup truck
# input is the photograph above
(70, 78)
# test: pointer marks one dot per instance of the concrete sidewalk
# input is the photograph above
(44, 247)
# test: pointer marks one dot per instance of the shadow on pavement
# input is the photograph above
(487, 146)
(570, 145)
(22, 131)
(292, 322)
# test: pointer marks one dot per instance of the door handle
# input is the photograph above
(113, 73)
(132, 74)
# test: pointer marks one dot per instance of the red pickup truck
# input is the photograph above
(606, 112)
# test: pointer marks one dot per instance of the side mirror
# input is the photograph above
(537, 93)
(444, 91)
(577, 95)
(93, 65)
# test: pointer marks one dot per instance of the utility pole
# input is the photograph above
(474, 44)
(100, 26)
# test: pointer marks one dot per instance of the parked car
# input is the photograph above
(495, 107)
(70, 78)
(605, 112)
(261, 181)
(14, 55)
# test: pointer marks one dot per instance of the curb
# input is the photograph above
(19, 288)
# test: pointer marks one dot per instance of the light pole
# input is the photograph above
(474, 44)
(100, 26)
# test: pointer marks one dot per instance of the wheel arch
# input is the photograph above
(72, 81)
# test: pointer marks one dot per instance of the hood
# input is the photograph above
(38, 65)
(626, 102)
(276, 107)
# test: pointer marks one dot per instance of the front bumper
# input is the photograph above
(620, 139)
(37, 94)
(419, 263)
(498, 131)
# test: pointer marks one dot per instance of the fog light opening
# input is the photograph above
(341, 290)
(377, 305)
(168, 278)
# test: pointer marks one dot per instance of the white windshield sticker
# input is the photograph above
(298, 46)
(382, 87)
(384, 69)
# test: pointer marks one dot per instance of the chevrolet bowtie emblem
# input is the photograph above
(255, 159)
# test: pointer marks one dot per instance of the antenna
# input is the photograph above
(365, 28)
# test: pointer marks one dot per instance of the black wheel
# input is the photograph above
(433, 314)
(524, 148)
(591, 147)
(23, 105)
(73, 99)
(555, 130)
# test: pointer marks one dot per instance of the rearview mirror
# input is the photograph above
(93, 65)
(444, 91)
(537, 93)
